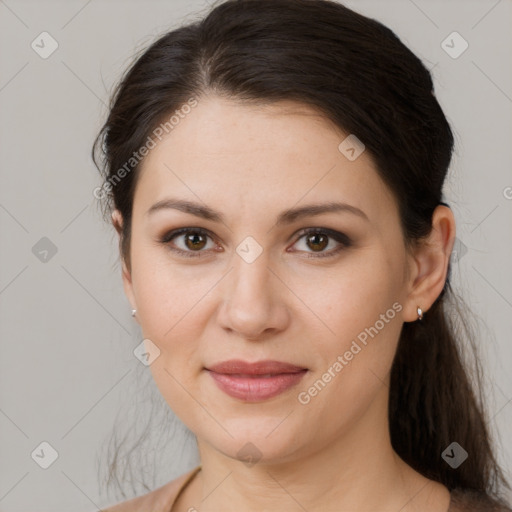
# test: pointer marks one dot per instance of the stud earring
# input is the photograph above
(133, 312)
(420, 313)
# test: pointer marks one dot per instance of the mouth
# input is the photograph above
(255, 382)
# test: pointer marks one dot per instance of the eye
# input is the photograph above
(194, 240)
(318, 239)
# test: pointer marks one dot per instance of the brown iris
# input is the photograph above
(192, 241)
(313, 239)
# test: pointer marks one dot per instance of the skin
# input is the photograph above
(250, 163)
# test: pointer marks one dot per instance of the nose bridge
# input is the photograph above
(250, 277)
(251, 303)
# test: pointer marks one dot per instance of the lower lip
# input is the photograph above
(256, 389)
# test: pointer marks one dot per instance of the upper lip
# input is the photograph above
(237, 366)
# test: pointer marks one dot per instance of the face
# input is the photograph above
(252, 287)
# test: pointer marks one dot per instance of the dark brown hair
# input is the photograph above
(359, 74)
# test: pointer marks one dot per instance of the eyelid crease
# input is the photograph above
(341, 238)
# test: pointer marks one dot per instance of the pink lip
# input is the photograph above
(254, 382)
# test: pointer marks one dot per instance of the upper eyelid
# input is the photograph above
(331, 233)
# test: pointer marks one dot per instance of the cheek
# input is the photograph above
(353, 365)
(361, 312)
(171, 312)
(167, 292)
(169, 308)
(353, 296)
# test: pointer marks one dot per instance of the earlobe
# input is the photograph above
(431, 259)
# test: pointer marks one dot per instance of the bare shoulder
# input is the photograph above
(158, 500)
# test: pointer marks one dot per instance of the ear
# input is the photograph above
(117, 221)
(429, 264)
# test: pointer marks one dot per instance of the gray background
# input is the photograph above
(66, 365)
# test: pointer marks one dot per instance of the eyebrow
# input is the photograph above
(285, 217)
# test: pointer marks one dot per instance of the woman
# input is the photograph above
(275, 175)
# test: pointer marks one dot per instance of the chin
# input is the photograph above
(253, 444)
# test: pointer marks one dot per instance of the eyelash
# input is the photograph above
(341, 238)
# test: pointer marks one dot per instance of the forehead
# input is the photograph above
(283, 152)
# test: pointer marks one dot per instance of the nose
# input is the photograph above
(254, 300)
